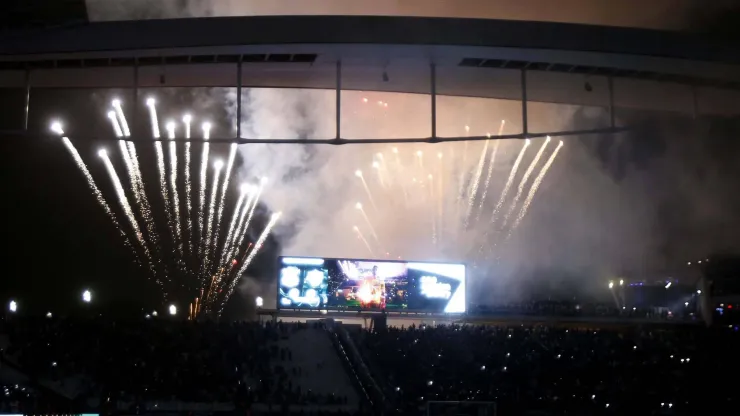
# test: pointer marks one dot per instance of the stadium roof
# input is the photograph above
(564, 63)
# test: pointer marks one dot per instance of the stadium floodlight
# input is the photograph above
(48, 314)
(86, 296)
(621, 282)
(611, 285)
(154, 313)
(173, 310)
(13, 306)
(259, 301)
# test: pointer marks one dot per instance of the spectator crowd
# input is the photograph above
(110, 367)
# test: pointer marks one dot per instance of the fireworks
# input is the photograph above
(175, 203)
(188, 199)
(203, 179)
(525, 177)
(215, 269)
(536, 186)
(441, 217)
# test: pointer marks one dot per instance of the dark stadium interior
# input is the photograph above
(324, 241)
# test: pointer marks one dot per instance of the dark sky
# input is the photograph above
(641, 203)
(680, 172)
(58, 240)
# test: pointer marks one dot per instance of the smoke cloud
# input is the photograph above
(639, 204)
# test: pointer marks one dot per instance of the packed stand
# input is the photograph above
(160, 365)
(545, 370)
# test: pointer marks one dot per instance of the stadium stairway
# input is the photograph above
(321, 370)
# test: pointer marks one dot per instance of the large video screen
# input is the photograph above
(317, 283)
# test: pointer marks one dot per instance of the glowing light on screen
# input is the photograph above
(308, 261)
(315, 278)
(431, 288)
(289, 276)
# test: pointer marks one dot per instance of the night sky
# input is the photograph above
(58, 240)
(674, 179)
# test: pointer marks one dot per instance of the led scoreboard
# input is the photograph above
(312, 282)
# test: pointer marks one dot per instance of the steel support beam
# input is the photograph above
(28, 99)
(239, 98)
(525, 117)
(612, 109)
(135, 93)
(433, 69)
(339, 101)
(11, 134)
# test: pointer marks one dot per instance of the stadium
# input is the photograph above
(459, 208)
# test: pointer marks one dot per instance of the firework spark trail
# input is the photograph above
(476, 182)
(188, 199)
(362, 237)
(122, 117)
(114, 122)
(232, 224)
(128, 152)
(257, 246)
(173, 187)
(224, 188)
(241, 228)
(358, 173)
(251, 210)
(125, 205)
(523, 182)
(440, 205)
(509, 181)
(57, 128)
(535, 186)
(367, 220)
(383, 172)
(238, 234)
(463, 171)
(145, 206)
(376, 166)
(160, 164)
(399, 173)
(211, 210)
(491, 164)
(433, 202)
(203, 179)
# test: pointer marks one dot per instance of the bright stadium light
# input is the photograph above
(86, 296)
(48, 315)
(150, 101)
(154, 313)
(258, 301)
(173, 310)
(621, 282)
(13, 306)
(102, 153)
(611, 285)
(116, 102)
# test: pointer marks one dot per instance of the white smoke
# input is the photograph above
(582, 222)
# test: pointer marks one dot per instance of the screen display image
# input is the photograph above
(311, 283)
